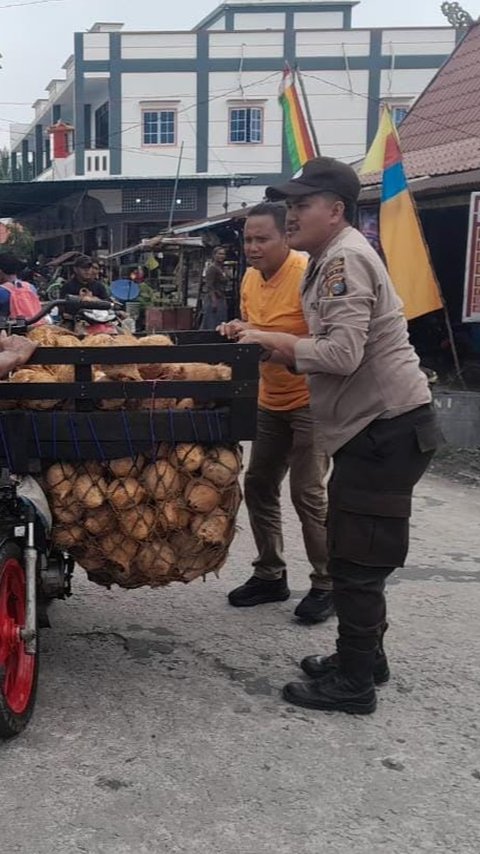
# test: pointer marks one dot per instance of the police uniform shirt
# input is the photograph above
(359, 359)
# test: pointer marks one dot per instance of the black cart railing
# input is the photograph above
(83, 432)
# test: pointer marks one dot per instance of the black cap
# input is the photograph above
(83, 262)
(320, 175)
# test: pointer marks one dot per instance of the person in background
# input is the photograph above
(10, 266)
(215, 308)
(82, 284)
(83, 280)
(271, 301)
(373, 407)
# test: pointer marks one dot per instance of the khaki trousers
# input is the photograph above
(285, 441)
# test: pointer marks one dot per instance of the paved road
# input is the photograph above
(160, 729)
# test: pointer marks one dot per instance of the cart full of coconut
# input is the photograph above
(149, 519)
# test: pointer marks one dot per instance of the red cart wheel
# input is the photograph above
(18, 671)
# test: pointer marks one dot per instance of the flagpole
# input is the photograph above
(308, 111)
(175, 189)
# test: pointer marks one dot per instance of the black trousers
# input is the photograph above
(370, 502)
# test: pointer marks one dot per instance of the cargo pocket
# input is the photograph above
(429, 436)
(370, 529)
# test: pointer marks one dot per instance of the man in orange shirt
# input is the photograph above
(285, 441)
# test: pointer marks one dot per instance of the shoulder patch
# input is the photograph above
(333, 278)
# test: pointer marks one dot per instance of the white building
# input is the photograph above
(136, 98)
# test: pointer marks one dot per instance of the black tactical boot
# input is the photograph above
(316, 607)
(256, 591)
(348, 689)
(317, 667)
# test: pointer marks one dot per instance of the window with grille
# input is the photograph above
(158, 199)
(399, 113)
(159, 127)
(399, 109)
(246, 125)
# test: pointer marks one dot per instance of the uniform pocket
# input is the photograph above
(429, 436)
(371, 529)
(380, 541)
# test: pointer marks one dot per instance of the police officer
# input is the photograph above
(373, 410)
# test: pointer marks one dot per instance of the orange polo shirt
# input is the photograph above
(276, 306)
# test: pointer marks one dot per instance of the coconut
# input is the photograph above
(127, 467)
(214, 529)
(125, 493)
(63, 373)
(118, 549)
(185, 403)
(174, 516)
(162, 481)
(209, 561)
(202, 496)
(186, 544)
(232, 499)
(92, 562)
(93, 468)
(53, 336)
(155, 341)
(103, 521)
(189, 457)
(138, 523)
(153, 371)
(221, 467)
(90, 492)
(66, 512)
(156, 561)
(223, 373)
(108, 405)
(68, 538)
(40, 375)
(199, 372)
(157, 404)
(60, 479)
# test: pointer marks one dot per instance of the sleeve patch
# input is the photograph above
(333, 279)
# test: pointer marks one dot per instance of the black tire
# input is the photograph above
(18, 672)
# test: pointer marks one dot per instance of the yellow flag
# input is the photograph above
(375, 159)
(401, 233)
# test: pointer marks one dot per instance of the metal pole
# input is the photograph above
(308, 112)
(175, 188)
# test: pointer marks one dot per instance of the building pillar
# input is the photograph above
(38, 149)
(88, 126)
(79, 106)
(14, 165)
(25, 164)
(203, 112)
(48, 153)
(115, 140)
(374, 85)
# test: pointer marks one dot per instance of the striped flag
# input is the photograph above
(401, 233)
(299, 140)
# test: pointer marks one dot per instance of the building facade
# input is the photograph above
(204, 103)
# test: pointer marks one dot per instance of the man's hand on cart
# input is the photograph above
(279, 346)
(15, 350)
(233, 329)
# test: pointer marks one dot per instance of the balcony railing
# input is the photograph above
(97, 163)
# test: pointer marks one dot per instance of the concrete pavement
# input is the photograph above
(160, 729)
